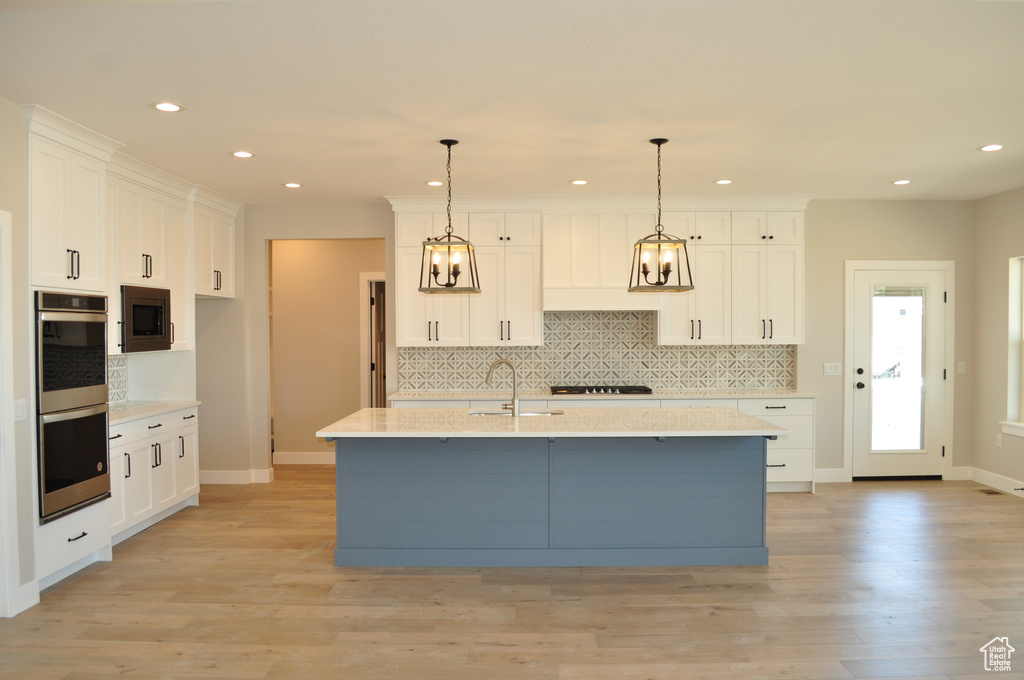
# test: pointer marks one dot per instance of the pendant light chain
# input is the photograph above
(448, 229)
(658, 226)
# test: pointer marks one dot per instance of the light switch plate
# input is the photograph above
(20, 410)
(961, 368)
(833, 369)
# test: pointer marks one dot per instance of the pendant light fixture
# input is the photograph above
(660, 262)
(448, 264)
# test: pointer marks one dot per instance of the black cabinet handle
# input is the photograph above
(763, 237)
(71, 259)
(502, 325)
(428, 332)
(128, 460)
(216, 279)
(692, 336)
(775, 407)
(78, 537)
(78, 264)
(437, 330)
(700, 329)
(510, 329)
(182, 440)
(771, 328)
(764, 329)
(116, 436)
(188, 417)
(778, 465)
(172, 332)
(158, 455)
(153, 427)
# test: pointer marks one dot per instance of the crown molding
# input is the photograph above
(57, 128)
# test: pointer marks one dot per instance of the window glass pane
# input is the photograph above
(897, 369)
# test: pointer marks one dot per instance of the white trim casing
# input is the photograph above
(948, 267)
(365, 332)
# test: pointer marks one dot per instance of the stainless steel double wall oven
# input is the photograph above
(71, 360)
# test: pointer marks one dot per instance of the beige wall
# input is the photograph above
(837, 231)
(999, 232)
(247, 331)
(316, 334)
(14, 199)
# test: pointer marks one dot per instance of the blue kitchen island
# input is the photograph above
(591, 487)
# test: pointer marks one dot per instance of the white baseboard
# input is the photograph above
(1004, 484)
(236, 476)
(21, 598)
(303, 457)
(960, 473)
(830, 475)
(261, 476)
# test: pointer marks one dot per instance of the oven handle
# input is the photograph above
(72, 415)
(73, 316)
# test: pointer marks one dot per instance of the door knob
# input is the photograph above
(860, 386)
(860, 371)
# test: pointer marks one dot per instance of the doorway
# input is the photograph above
(899, 391)
(373, 343)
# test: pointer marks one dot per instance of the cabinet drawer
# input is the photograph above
(603, 402)
(801, 432)
(431, 403)
(134, 430)
(778, 407)
(694, 403)
(790, 465)
(69, 539)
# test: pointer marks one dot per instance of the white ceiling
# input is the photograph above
(833, 98)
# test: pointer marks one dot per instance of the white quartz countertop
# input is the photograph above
(575, 422)
(505, 394)
(123, 412)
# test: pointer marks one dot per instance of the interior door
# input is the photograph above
(897, 384)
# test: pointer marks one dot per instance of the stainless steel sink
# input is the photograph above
(507, 412)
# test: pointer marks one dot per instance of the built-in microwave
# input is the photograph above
(145, 319)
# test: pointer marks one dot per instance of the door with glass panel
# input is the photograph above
(897, 382)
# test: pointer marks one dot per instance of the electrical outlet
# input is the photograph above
(833, 369)
(20, 410)
(961, 368)
(999, 441)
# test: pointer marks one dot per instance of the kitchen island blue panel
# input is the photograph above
(550, 501)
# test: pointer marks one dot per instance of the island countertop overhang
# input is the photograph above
(574, 422)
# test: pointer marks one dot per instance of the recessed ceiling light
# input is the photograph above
(292, 185)
(168, 107)
(992, 147)
(242, 154)
(723, 181)
(579, 182)
(901, 181)
(435, 183)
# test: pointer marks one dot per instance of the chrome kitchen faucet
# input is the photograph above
(515, 384)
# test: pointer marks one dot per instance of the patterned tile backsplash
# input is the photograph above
(117, 379)
(601, 348)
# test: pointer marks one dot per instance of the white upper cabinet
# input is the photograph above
(67, 203)
(772, 227)
(768, 294)
(151, 224)
(412, 229)
(507, 311)
(214, 248)
(67, 217)
(426, 319)
(702, 316)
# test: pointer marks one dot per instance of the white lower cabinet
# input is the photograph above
(154, 469)
(790, 457)
(67, 544)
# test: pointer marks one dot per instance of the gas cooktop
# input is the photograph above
(600, 389)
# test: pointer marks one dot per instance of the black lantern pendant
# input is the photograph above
(448, 264)
(660, 260)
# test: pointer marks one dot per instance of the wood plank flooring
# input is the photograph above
(866, 580)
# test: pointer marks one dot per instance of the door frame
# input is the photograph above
(365, 333)
(948, 267)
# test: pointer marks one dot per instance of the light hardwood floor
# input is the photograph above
(866, 580)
